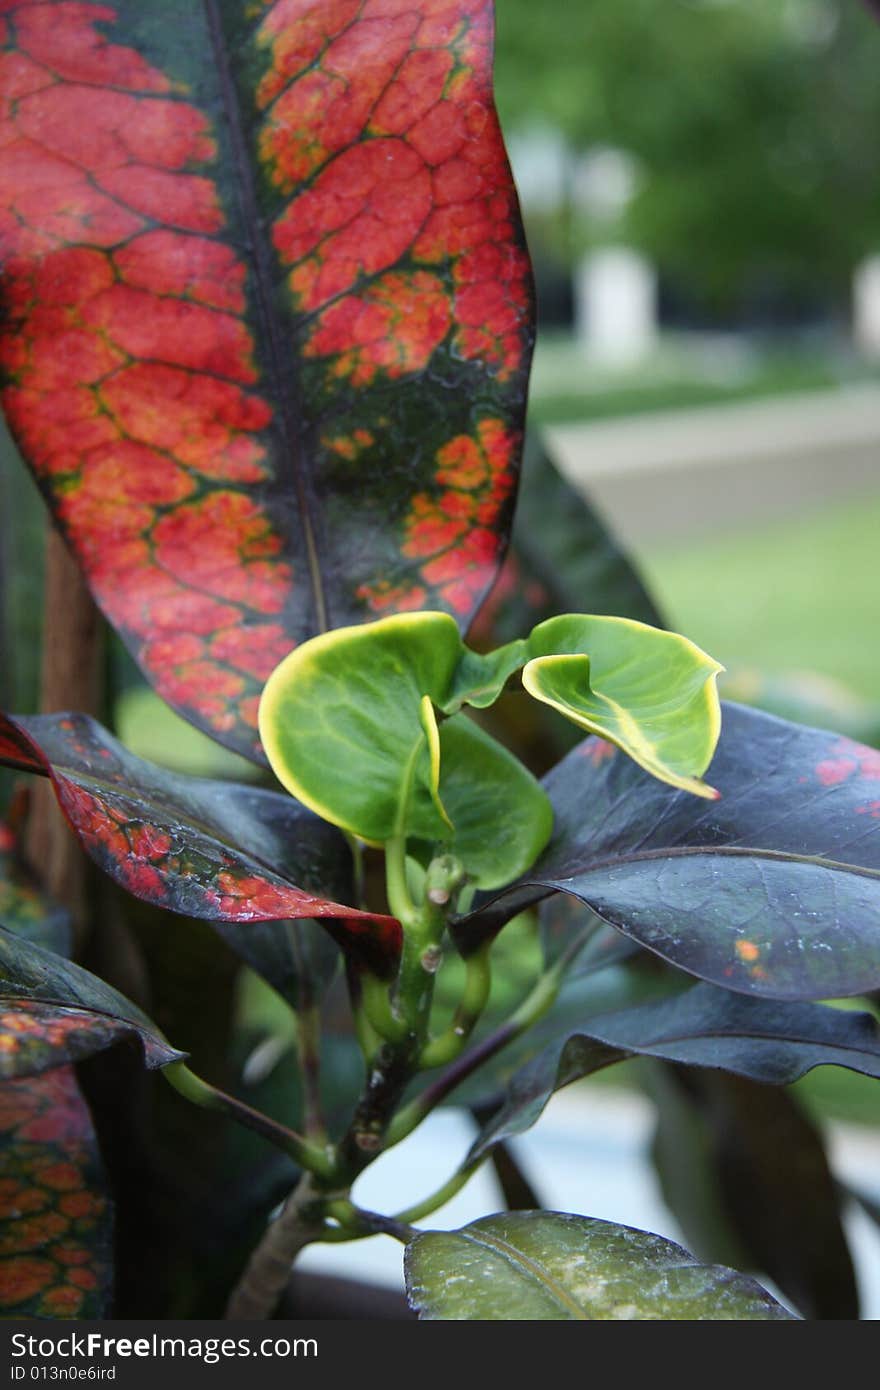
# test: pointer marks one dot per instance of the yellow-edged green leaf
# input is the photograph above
(652, 693)
(349, 723)
(343, 715)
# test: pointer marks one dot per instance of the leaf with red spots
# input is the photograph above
(772, 890)
(55, 1217)
(53, 1012)
(267, 318)
(231, 854)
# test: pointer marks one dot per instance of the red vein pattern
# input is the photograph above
(55, 1219)
(167, 422)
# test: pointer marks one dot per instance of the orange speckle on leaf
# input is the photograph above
(747, 950)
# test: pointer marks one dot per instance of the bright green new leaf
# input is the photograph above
(362, 725)
(547, 1266)
(349, 724)
(653, 693)
(502, 816)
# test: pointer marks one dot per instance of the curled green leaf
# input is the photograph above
(650, 692)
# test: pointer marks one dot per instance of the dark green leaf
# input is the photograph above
(772, 890)
(703, 1027)
(540, 1266)
(766, 1163)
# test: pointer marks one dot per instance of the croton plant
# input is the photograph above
(266, 336)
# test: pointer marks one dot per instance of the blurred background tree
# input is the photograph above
(755, 191)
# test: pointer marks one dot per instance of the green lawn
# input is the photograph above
(682, 372)
(794, 596)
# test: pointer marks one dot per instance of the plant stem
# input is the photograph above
(532, 1008)
(308, 1039)
(70, 678)
(478, 982)
(267, 1272)
(208, 1097)
(358, 1224)
(397, 888)
(439, 1198)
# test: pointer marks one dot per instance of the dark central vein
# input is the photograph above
(282, 393)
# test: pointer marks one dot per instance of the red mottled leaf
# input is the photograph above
(228, 853)
(267, 318)
(55, 1218)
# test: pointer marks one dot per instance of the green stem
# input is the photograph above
(309, 1156)
(397, 888)
(531, 1010)
(357, 1224)
(439, 1198)
(450, 1044)
(376, 1005)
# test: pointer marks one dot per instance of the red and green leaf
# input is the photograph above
(56, 1230)
(55, 1216)
(267, 318)
(221, 851)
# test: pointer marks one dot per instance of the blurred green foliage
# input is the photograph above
(754, 123)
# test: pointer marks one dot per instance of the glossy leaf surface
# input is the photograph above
(770, 1042)
(225, 852)
(772, 890)
(349, 720)
(541, 1266)
(267, 318)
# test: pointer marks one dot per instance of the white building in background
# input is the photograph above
(616, 306)
(866, 306)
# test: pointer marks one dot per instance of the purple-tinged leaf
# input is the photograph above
(222, 851)
(770, 1042)
(773, 890)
